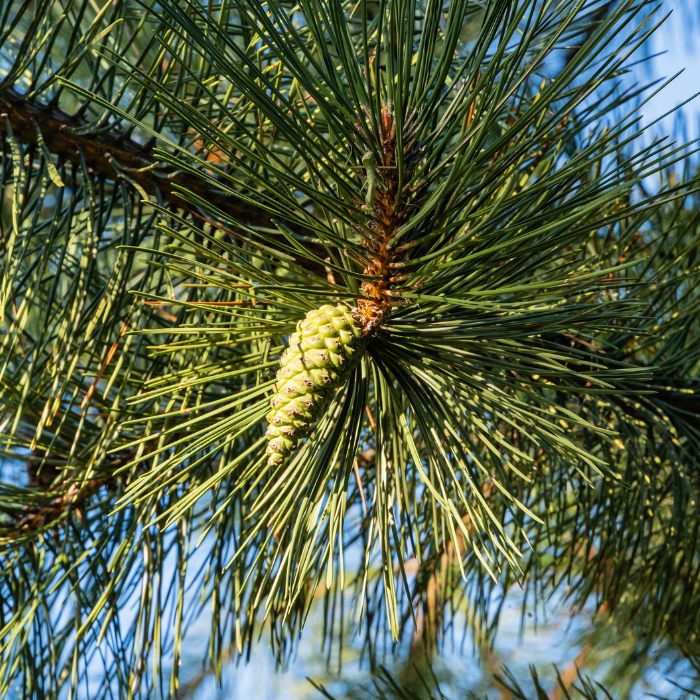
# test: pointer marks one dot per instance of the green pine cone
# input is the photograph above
(321, 356)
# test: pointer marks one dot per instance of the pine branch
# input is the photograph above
(65, 496)
(446, 167)
(102, 149)
(72, 500)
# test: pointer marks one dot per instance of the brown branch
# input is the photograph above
(63, 495)
(101, 149)
(569, 676)
(37, 518)
(98, 149)
(432, 589)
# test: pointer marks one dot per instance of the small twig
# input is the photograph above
(569, 676)
(371, 420)
(108, 359)
(356, 469)
(52, 511)
(584, 342)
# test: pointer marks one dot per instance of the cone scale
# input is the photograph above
(322, 354)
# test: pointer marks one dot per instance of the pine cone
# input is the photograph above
(321, 356)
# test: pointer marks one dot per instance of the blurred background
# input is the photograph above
(674, 47)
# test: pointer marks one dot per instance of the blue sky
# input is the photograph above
(676, 38)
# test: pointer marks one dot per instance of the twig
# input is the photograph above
(356, 469)
(108, 359)
(371, 420)
(70, 500)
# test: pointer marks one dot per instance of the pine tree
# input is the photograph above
(435, 220)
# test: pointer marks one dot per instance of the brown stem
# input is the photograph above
(432, 588)
(38, 517)
(387, 217)
(101, 149)
(64, 492)
(57, 129)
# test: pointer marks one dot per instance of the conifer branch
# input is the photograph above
(103, 149)
(36, 518)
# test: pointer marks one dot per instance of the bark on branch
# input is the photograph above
(101, 149)
(98, 149)
(50, 513)
(57, 129)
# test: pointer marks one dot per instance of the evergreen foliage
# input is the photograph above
(386, 687)
(184, 182)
